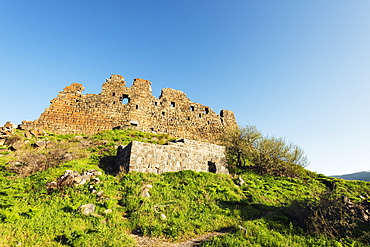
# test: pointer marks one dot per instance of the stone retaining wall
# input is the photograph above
(176, 156)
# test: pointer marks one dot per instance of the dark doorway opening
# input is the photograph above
(212, 167)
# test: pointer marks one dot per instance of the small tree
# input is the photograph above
(240, 144)
(267, 155)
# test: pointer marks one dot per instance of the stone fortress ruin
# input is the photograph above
(119, 106)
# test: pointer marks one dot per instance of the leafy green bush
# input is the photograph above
(247, 148)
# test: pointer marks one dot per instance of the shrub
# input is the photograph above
(246, 148)
(32, 161)
(328, 216)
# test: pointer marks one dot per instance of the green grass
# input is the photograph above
(258, 233)
(193, 203)
(32, 217)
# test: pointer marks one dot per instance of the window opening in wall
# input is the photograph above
(114, 102)
(172, 104)
(163, 113)
(113, 94)
(208, 122)
(125, 99)
(191, 108)
(155, 103)
(200, 115)
(212, 167)
(133, 123)
(206, 110)
(137, 107)
(188, 118)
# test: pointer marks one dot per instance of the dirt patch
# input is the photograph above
(157, 242)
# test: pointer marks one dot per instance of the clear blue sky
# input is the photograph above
(295, 69)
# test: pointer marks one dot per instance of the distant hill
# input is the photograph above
(364, 176)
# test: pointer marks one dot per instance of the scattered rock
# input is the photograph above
(87, 209)
(145, 190)
(8, 131)
(10, 125)
(163, 216)
(41, 132)
(73, 178)
(18, 145)
(51, 186)
(145, 193)
(96, 180)
(108, 211)
(79, 180)
(27, 134)
(34, 132)
(241, 181)
(40, 144)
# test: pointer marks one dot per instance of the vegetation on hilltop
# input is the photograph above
(263, 206)
(247, 148)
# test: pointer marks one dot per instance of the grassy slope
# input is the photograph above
(192, 203)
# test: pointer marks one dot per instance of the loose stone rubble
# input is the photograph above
(73, 178)
(118, 106)
(87, 209)
(175, 156)
(145, 190)
(14, 142)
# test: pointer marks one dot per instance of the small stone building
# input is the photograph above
(175, 156)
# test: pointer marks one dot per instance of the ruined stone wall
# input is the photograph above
(176, 156)
(119, 106)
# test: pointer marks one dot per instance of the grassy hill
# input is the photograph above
(260, 210)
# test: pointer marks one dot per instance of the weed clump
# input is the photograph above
(31, 162)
